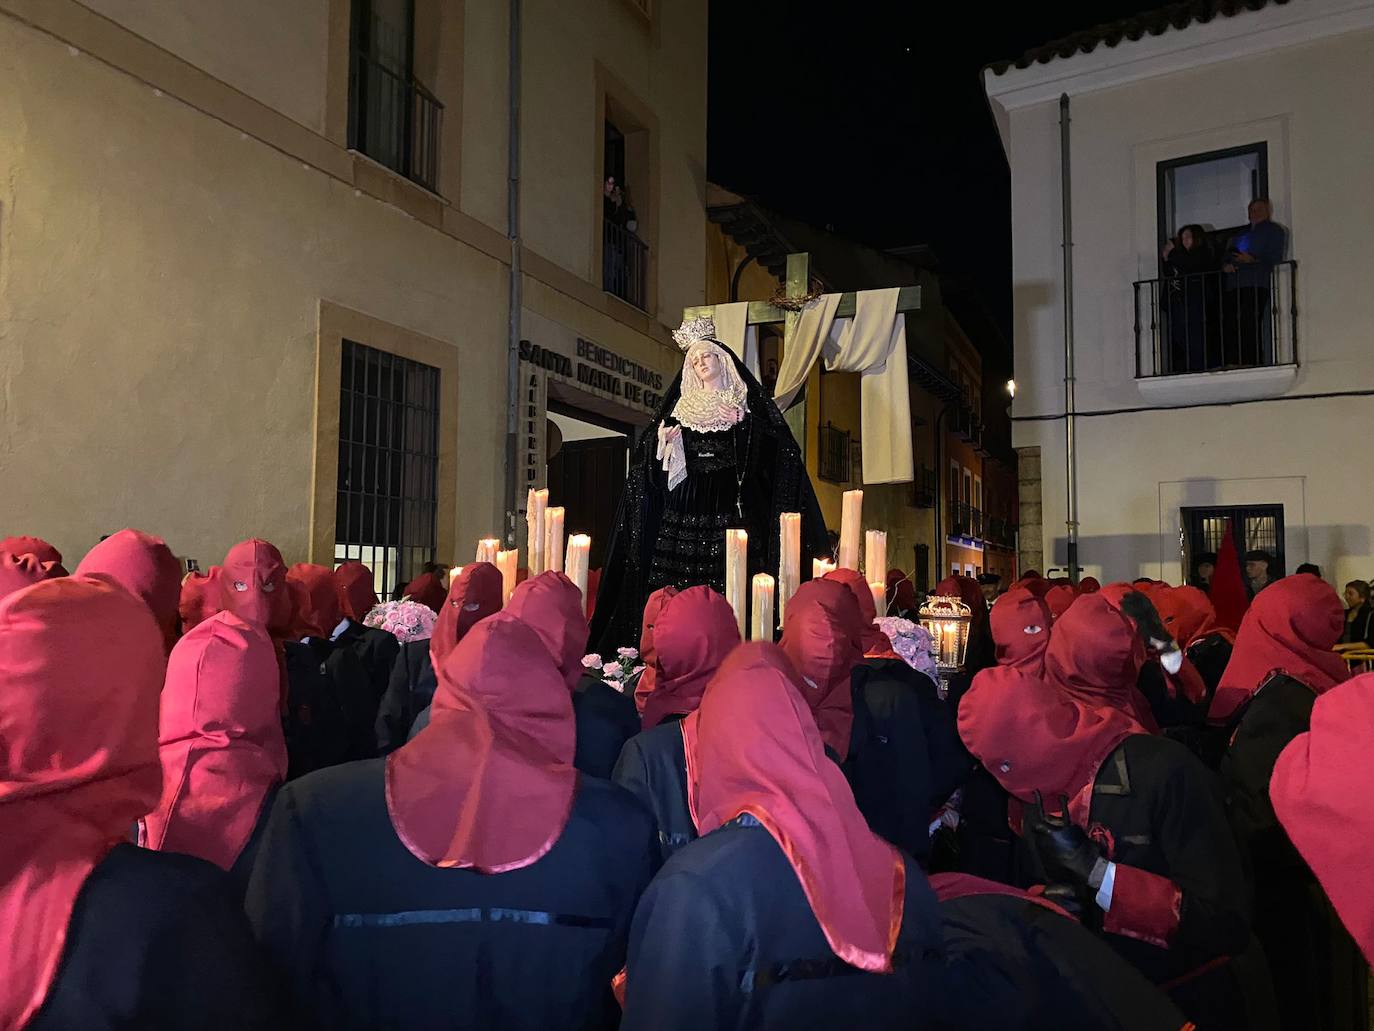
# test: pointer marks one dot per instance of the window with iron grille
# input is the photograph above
(387, 507)
(1253, 528)
(835, 454)
(392, 118)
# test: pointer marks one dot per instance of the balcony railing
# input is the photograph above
(395, 121)
(1000, 532)
(1214, 321)
(624, 264)
(923, 487)
(965, 521)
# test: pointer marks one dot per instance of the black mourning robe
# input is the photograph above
(769, 477)
(1011, 963)
(158, 941)
(606, 719)
(1319, 977)
(905, 756)
(1179, 905)
(653, 768)
(409, 690)
(365, 935)
(724, 938)
(375, 649)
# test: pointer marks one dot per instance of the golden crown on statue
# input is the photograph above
(693, 330)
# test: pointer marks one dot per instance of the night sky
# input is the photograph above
(869, 118)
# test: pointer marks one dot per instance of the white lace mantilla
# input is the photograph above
(710, 411)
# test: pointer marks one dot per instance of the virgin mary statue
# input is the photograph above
(717, 456)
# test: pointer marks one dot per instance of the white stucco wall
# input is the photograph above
(1309, 101)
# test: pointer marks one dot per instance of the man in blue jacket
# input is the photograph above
(1250, 259)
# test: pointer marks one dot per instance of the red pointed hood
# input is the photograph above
(474, 594)
(427, 589)
(357, 590)
(81, 661)
(552, 605)
(38, 548)
(315, 600)
(200, 598)
(1188, 614)
(1033, 738)
(752, 747)
(489, 784)
(253, 586)
(901, 592)
(220, 740)
(1095, 655)
(20, 571)
(874, 640)
(1060, 599)
(145, 567)
(1320, 791)
(822, 635)
(1291, 628)
(648, 648)
(1020, 625)
(1227, 589)
(695, 631)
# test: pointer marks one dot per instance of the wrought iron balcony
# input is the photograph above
(924, 487)
(395, 121)
(624, 264)
(965, 521)
(1217, 321)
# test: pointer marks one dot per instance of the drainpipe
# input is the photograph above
(1070, 443)
(513, 234)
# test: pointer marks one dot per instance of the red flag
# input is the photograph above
(1227, 590)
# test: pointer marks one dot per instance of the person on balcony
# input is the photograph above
(1250, 259)
(1191, 299)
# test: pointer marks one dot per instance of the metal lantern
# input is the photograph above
(947, 620)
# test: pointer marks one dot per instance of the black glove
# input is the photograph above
(1066, 853)
(1069, 898)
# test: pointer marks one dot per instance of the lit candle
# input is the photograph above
(575, 565)
(789, 560)
(821, 566)
(487, 548)
(851, 523)
(736, 572)
(553, 538)
(537, 504)
(875, 555)
(763, 607)
(879, 589)
(507, 562)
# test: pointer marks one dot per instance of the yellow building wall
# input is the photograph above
(160, 283)
(177, 209)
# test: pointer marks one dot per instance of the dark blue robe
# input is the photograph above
(606, 719)
(1012, 963)
(905, 756)
(724, 938)
(409, 691)
(157, 941)
(653, 768)
(365, 935)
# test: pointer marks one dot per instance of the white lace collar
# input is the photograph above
(707, 411)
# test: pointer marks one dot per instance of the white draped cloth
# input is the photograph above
(733, 330)
(873, 344)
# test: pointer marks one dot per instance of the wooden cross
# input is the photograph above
(761, 313)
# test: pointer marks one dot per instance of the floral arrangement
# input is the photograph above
(912, 642)
(621, 672)
(404, 620)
